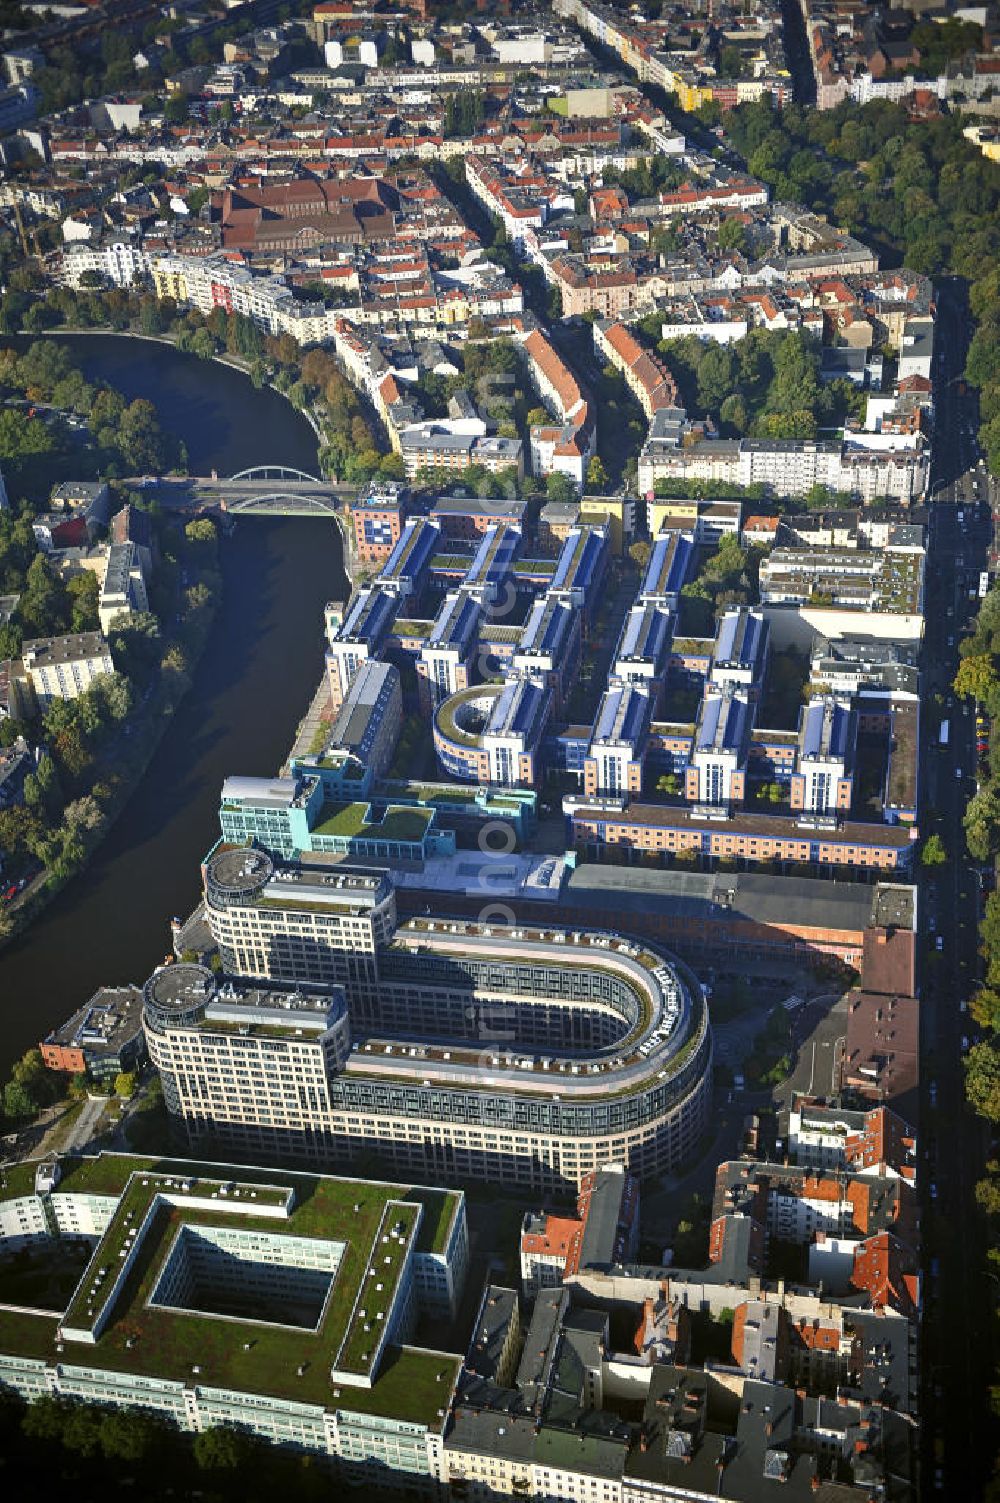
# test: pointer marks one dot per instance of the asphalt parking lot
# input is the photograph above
(818, 1036)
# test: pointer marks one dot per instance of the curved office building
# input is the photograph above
(520, 1055)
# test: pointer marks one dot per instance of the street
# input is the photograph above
(958, 1359)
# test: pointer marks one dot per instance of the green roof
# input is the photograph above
(400, 822)
(246, 1355)
(446, 712)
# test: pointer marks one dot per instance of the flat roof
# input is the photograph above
(291, 1363)
(806, 902)
(110, 1019)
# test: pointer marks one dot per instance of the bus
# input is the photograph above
(945, 728)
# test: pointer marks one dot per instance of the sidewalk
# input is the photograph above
(320, 708)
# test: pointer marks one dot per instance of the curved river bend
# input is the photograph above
(255, 680)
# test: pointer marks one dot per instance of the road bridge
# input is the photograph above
(265, 490)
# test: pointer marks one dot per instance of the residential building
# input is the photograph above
(64, 667)
(368, 722)
(124, 589)
(617, 750)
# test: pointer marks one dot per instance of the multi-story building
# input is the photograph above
(357, 636)
(445, 662)
(580, 567)
(64, 667)
(603, 829)
(103, 1039)
(644, 647)
(231, 1322)
(378, 518)
(487, 575)
(824, 591)
(549, 644)
(716, 772)
(124, 589)
(617, 751)
(405, 569)
(433, 446)
(564, 448)
(542, 1054)
(837, 1138)
(277, 813)
(670, 562)
(466, 518)
(604, 1230)
(739, 656)
(823, 780)
(321, 811)
(513, 734)
(367, 724)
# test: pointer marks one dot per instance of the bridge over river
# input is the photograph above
(266, 490)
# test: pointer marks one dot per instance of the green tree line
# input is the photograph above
(917, 191)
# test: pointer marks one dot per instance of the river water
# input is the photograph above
(255, 680)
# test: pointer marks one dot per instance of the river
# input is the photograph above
(254, 682)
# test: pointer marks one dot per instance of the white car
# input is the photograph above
(939, 943)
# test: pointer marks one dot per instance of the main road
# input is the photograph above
(958, 1433)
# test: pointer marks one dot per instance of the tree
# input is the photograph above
(984, 1008)
(125, 1084)
(83, 592)
(43, 609)
(201, 530)
(176, 110)
(18, 1103)
(639, 553)
(46, 1418)
(559, 487)
(222, 1449)
(982, 1080)
(129, 1436)
(982, 824)
(988, 1191)
(977, 678)
(597, 477)
(134, 639)
(733, 235)
(140, 438)
(933, 853)
(42, 793)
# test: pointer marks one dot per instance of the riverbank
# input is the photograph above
(232, 362)
(121, 766)
(262, 660)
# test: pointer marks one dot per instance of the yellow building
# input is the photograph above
(691, 95)
(663, 514)
(170, 283)
(616, 511)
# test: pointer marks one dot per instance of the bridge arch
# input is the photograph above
(276, 472)
(293, 502)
